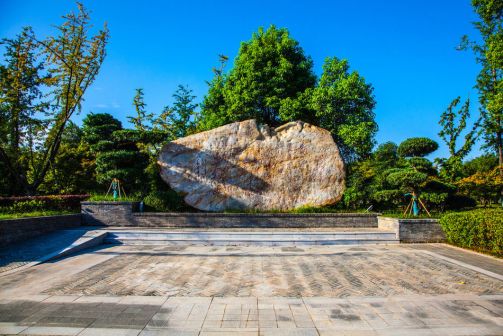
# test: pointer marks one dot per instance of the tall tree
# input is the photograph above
(268, 69)
(143, 120)
(21, 109)
(179, 119)
(73, 169)
(116, 156)
(489, 54)
(453, 124)
(73, 59)
(343, 103)
(213, 106)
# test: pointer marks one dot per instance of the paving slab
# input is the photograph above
(33, 251)
(213, 290)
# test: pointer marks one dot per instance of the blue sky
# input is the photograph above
(406, 49)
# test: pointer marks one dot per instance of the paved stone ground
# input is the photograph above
(286, 272)
(197, 290)
(34, 249)
(242, 316)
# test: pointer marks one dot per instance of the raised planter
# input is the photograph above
(13, 230)
(123, 214)
(246, 220)
(423, 230)
(108, 213)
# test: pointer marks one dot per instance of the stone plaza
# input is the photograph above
(385, 289)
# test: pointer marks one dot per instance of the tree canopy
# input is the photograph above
(273, 81)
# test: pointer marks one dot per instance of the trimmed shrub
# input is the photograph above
(39, 203)
(477, 229)
(417, 147)
(458, 202)
(164, 201)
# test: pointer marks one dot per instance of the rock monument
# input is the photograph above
(244, 165)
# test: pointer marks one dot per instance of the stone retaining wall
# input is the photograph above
(422, 230)
(108, 213)
(226, 220)
(13, 230)
(122, 214)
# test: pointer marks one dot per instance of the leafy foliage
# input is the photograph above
(485, 186)
(167, 200)
(343, 103)
(143, 120)
(482, 164)
(21, 84)
(478, 229)
(273, 81)
(72, 59)
(179, 120)
(417, 147)
(116, 156)
(453, 123)
(489, 54)
(40, 203)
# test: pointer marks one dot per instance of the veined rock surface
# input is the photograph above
(244, 165)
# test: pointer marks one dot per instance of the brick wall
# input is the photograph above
(13, 230)
(122, 214)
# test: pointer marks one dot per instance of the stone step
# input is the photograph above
(268, 238)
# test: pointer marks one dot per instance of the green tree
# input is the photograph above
(179, 119)
(485, 187)
(213, 106)
(73, 59)
(116, 156)
(482, 164)
(70, 173)
(453, 124)
(21, 128)
(97, 129)
(143, 120)
(489, 54)
(268, 69)
(417, 147)
(343, 103)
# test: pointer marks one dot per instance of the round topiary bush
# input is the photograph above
(417, 147)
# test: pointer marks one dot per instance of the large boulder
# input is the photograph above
(248, 166)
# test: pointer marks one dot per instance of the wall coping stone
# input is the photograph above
(225, 214)
(39, 217)
(108, 202)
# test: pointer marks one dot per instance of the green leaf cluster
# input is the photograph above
(480, 230)
(273, 82)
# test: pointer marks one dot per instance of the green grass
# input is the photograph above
(110, 198)
(39, 213)
(298, 211)
(394, 214)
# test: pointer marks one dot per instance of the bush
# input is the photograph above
(458, 202)
(477, 229)
(40, 203)
(165, 201)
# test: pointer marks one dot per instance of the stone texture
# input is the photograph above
(244, 165)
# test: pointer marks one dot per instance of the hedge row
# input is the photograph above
(477, 229)
(41, 203)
